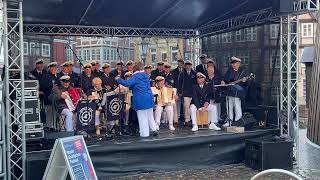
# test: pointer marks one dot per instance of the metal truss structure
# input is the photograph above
(305, 5)
(69, 30)
(289, 75)
(250, 19)
(14, 71)
(14, 64)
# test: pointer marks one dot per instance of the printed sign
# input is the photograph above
(70, 155)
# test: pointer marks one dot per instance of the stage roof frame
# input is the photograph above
(148, 18)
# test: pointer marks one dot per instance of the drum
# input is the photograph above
(202, 118)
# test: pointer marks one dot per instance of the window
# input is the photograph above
(86, 55)
(108, 54)
(34, 49)
(215, 39)
(45, 50)
(274, 31)
(112, 54)
(251, 34)
(187, 56)
(83, 56)
(93, 54)
(104, 54)
(226, 59)
(126, 55)
(25, 48)
(164, 56)
(226, 37)
(307, 29)
(131, 55)
(97, 54)
(174, 54)
(240, 36)
(153, 53)
(189, 42)
(244, 56)
(69, 54)
(275, 56)
(305, 89)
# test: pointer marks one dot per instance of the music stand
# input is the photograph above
(227, 102)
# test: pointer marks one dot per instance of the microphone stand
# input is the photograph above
(81, 78)
(119, 95)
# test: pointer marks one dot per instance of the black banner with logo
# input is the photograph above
(115, 107)
(86, 111)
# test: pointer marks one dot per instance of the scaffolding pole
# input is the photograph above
(14, 72)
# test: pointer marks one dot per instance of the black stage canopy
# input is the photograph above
(171, 14)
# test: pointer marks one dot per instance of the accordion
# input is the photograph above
(164, 96)
(73, 97)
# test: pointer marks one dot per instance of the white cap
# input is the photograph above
(233, 58)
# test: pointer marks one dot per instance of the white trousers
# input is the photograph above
(218, 105)
(97, 118)
(186, 107)
(169, 114)
(234, 106)
(212, 114)
(146, 121)
(68, 119)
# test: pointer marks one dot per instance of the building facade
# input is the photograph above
(258, 47)
(105, 50)
(35, 47)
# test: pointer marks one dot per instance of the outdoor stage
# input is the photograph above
(166, 152)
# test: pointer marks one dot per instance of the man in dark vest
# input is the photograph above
(203, 66)
(119, 70)
(158, 71)
(108, 81)
(189, 79)
(238, 91)
(177, 74)
(201, 102)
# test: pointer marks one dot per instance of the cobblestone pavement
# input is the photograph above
(308, 167)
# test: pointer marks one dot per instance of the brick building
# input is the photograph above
(258, 47)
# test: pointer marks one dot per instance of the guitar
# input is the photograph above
(251, 76)
(240, 91)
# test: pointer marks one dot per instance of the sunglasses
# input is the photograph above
(65, 80)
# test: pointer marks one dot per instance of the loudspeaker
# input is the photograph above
(50, 138)
(283, 6)
(36, 163)
(262, 154)
(247, 121)
(266, 114)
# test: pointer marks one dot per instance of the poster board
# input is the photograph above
(70, 155)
